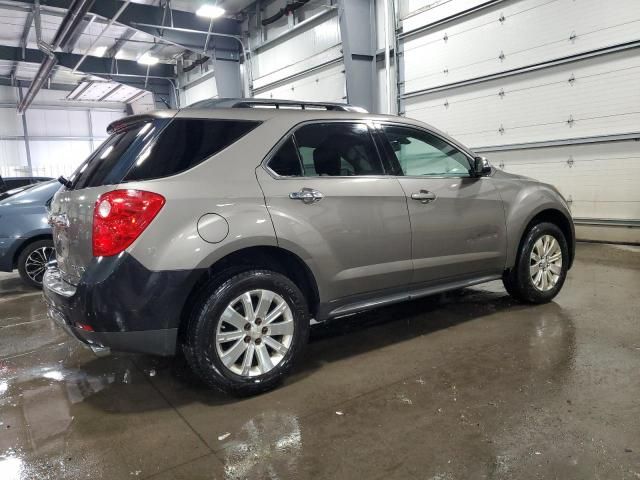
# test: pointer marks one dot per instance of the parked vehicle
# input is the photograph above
(10, 183)
(14, 191)
(224, 231)
(25, 236)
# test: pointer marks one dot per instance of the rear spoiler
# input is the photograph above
(126, 123)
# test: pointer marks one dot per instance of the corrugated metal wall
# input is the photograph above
(59, 136)
(542, 87)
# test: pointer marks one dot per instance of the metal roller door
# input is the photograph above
(546, 88)
(303, 63)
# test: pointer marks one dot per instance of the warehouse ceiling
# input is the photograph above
(112, 43)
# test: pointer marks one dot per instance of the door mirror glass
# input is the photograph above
(481, 166)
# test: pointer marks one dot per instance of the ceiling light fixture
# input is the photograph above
(148, 59)
(210, 11)
(100, 51)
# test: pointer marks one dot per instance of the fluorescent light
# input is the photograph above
(148, 59)
(210, 11)
(100, 51)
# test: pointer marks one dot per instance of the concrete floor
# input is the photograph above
(462, 386)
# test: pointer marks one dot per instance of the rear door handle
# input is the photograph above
(307, 195)
(424, 196)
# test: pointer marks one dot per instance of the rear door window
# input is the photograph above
(185, 143)
(337, 149)
(286, 162)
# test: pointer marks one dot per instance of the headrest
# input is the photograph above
(326, 161)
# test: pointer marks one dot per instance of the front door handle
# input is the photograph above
(424, 196)
(307, 195)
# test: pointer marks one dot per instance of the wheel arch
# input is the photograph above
(556, 217)
(25, 243)
(269, 257)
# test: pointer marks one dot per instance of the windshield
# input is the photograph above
(37, 194)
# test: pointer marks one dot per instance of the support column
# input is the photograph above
(357, 29)
(25, 132)
(90, 123)
(228, 78)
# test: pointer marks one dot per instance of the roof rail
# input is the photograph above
(275, 104)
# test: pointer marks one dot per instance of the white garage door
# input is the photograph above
(507, 77)
(305, 65)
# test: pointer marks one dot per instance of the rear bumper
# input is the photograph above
(120, 305)
(154, 342)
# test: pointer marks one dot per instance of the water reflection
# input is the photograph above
(10, 468)
(66, 421)
(270, 446)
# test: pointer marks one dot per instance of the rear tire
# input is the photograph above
(245, 334)
(32, 262)
(541, 266)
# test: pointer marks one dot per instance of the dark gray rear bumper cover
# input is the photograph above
(128, 307)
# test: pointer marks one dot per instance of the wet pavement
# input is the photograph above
(459, 386)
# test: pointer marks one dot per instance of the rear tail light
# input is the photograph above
(120, 216)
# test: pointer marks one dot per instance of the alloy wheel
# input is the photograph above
(255, 333)
(36, 263)
(545, 265)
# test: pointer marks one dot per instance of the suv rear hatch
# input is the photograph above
(139, 148)
(71, 210)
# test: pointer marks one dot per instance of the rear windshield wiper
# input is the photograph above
(65, 182)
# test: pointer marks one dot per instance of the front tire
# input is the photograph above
(246, 334)
(32, 262)
(541, 266)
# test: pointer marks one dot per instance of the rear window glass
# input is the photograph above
(96, 170)
(185, 143)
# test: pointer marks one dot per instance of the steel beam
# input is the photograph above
(138, 13)
(25, 133)
(357, 23)
(97, 65)
(25, 31)
(84, 25)
(126, 36)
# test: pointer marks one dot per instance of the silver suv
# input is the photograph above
(225, 232)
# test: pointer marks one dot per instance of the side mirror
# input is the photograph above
(481, 167)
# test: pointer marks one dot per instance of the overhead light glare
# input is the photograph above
(119, 54)
(100, 51)
(147, 59)
(210, 11)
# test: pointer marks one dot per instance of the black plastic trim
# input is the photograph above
(118, 294)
